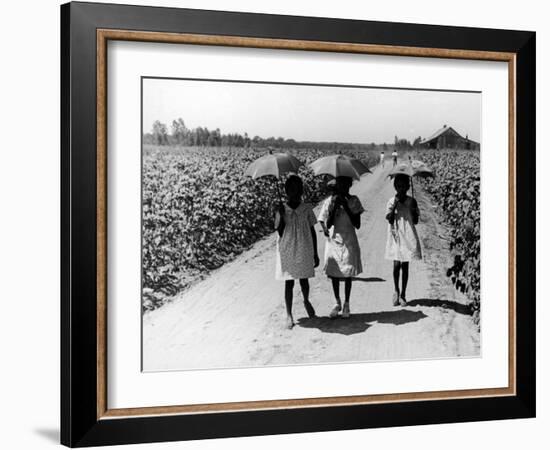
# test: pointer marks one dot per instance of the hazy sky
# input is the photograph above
(314, 113)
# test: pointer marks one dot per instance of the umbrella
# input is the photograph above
(339, 166)
(415, 168)
(273, 164)
(402, 169)
(420, 169)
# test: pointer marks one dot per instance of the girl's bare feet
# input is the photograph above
(309, 309)
(396, 298)
(402, 300)
(345, 312)
(335, 310)
(289, 322)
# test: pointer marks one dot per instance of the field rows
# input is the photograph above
(456, 191)
(200, 211)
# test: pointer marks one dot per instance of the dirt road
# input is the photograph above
(236, 316)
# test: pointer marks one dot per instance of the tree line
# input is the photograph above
(180, 134)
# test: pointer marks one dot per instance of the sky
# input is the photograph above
(310, 113)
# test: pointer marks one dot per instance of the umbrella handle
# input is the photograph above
(412, 186)
(279, 190)
(307, 195)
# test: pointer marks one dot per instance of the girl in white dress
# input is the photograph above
(402, 244)
(296, 246)
(394, 157)
(340, 215)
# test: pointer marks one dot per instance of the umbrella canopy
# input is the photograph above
(421, 169)
(339, 166)
(275, 164)
(401, 169)
(415, 168)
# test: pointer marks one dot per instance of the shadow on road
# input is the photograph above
(359, 323)
(445, 304)
(368, 279)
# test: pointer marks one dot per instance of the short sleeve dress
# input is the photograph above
(294, 258)
(342, 252)
(402, 243)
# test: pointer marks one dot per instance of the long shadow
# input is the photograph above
(358, 323)
(368, 279)
(445, 304)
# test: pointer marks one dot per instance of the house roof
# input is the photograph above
(441, 131)
(438, 133)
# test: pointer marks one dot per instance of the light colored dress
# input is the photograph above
(295, 251)
(402, 243)
(342, 252)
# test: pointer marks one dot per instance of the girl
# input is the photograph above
(296, 245)
(340, 215)
(402, 244)
(394, 157)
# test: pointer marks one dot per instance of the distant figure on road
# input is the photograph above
(297, 245)
(394, 157)
(382, 159)
(340, 215)
(402, 244)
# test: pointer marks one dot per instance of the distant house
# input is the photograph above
(447, 137)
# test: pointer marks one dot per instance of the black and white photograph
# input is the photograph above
(292, 224)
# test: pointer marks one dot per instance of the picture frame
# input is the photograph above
(86, 418)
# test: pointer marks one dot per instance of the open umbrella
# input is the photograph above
(339, 166)
(401, 169)
(273, 165)
(415, 168)
(420, 169)
(276, 164)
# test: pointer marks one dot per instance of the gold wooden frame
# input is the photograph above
(103, 36)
